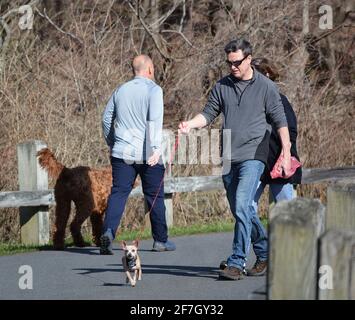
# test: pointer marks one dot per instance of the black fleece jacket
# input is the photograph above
(275, 147)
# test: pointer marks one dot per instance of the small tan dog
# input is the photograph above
(131, 262)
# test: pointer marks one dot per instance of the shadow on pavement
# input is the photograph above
(91, 250)
(184, 271)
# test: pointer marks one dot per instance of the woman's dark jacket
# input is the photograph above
(275, 148)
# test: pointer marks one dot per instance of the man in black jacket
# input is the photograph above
(246, 99)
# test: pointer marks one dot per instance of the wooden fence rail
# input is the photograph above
(312, 249)
(15, 199)
(34, 197)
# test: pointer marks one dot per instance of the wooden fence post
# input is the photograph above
(337, 254)
(168, 144)
(34, 221)
(341, 205)
(294, 229)
(352, 280)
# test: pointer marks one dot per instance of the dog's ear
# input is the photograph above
(123, 244)
(135, 243)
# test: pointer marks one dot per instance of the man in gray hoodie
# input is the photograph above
(248, 101)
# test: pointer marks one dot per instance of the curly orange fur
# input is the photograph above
(87, 187)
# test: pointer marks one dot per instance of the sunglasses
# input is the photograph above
(236, 63)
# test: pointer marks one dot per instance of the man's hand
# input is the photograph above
(199, 121)
(184, 127)
(154, 158)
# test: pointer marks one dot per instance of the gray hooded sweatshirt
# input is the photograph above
(248, 109)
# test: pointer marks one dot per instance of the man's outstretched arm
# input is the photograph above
(199, 121)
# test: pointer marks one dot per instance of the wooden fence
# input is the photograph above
(312, 248)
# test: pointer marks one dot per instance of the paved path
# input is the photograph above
(190, 272)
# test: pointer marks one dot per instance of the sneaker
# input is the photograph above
(163, 246)
(106, 243)
(259, 269)
(224, 265)
(231, 273)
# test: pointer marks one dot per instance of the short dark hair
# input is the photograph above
(239, 44)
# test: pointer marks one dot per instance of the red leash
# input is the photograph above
(169, 164)
(172, 155)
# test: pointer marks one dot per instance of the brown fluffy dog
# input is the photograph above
(88, 188)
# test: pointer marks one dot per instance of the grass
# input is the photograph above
(12, 248)
(15, 248)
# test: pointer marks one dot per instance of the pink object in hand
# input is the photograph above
(277, 171)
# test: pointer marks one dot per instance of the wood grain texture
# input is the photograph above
(34, 220)
(294, 229)
(337, 254)
(341, 205)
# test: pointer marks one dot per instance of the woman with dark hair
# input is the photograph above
(281, 189)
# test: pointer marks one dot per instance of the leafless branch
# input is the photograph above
(3, 44)
(229, 14)
(163, 18)
(107, 14)
(183, 16)
(155, 37)
(181, 34)
(313, 41)
(45, 16)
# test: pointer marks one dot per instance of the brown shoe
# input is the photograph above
(259, 269)
(231, 273)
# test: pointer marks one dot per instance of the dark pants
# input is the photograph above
(123, 177)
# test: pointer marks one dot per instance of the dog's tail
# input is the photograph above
(48, 162)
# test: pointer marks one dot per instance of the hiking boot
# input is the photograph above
(163, 246)
(224, 265)
(231, 273)
(259, 269)
(106, 243)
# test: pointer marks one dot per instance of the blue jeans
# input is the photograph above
(123, 177)
(241, 184)
(279, 192)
